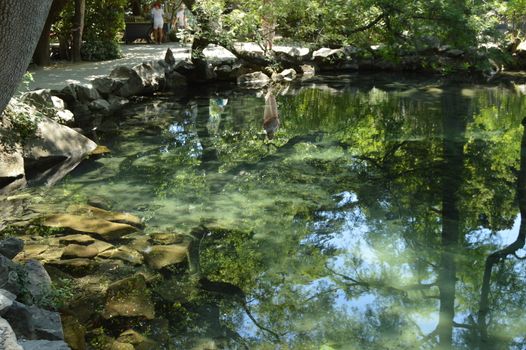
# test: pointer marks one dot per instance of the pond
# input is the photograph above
(347, 212)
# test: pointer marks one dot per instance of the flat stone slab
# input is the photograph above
(107, 230)
(79, 251)
(98, 213)
(160, 256)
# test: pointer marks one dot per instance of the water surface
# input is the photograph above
(362, 218)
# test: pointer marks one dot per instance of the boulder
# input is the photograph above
(308, 70)
(169, 57)
(6, 299)
(116, 102)
(285, 75)
(37, 280)
(174, 80)
(55, 140)
(86, 93)
(106, 85)
(100, 105)
(325, 54)
(107, 230)
(10, 247)
(7, 337)
(43, 98)
(54, 151)
(130, 83)
(79, 251)
(160, 256)
(129, 297)
(44, 345)
(9, 275)
(256, 79)
(12, 173)
(32, 322)
(152, 74)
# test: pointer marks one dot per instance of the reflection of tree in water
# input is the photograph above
(412, 192)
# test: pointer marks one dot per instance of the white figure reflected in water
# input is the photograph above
(270, 115)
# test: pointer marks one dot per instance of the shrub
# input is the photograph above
(99, 50)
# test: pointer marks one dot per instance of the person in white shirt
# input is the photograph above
(158, 22)
(181, 17)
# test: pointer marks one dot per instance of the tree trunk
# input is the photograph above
(78, 25)
(41, 54)
(21, 23)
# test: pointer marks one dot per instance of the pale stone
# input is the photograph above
(161, 256)
(106, 229)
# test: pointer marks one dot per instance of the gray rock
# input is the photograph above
(326, 54)
(68, 94)
(7, 337)
(6, 299)
(32, 322)
(37, 98)
(86, 93)
(285, 75)
(10, 247)
(21, 321)
(253, 79)
(44, 345)
(152, 74)
(116, 102)
(9, 276)
(37, 280)
(12, 173)
(308, 70)
(169, 57)
(106, 85)
(53, 140)
(99, 105)
(174, 80)
(130, 82)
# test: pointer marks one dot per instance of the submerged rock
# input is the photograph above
(161, 256)
(123, 253)
(99, 213)
(129, 297)
(79, 251)
(107, 230)
(74, 333)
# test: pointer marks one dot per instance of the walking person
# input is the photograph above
(158, 22)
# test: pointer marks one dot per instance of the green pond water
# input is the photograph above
(364, 221)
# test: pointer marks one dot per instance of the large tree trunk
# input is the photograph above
(78, 23)
(41, 54)
(21, 22)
